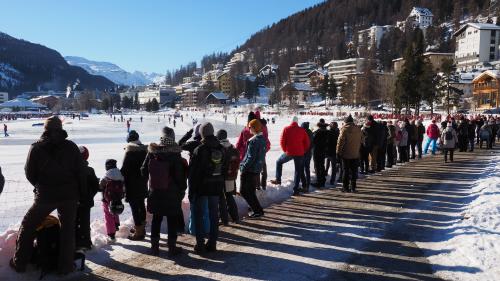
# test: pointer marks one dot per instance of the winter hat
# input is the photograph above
(257, 114)
(256, 125)
(349, 119)
(53, 123)
(197, 132)
(295, 119)
(84, 151)
(167, 136)
(251, 116)
(305, 125)
(221, 135)
(206, 130)
(110, 164)
(132, 136)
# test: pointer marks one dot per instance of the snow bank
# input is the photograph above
(475, 240)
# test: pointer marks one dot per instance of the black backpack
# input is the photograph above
(448, 135)
(46, 248)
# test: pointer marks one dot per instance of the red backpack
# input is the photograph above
(159, 173)
(233, 160)
(114, 190)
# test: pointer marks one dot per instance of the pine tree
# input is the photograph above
(155, 106)
(332, 91)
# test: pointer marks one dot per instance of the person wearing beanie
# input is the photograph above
(136, 185)
(348, 147)
(112, 187)
(251, 166)
(294, 142)
(320, 144)
(251, 116)
(306, 178)
(82, 232)
(227, 204)
(58, 186)
(166, 171)
(448, 141)
(206, 183)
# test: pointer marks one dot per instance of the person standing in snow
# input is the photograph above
(166, 171)
(263, 175)
(463, 134)
(294, 143)
(112, 189)
(448, 140)
(320, 144)
(206, 183)
(86, 203)
(472, 135)
(251, 166)
(391, 139)
(432, 137)
(128, 126)
(227, 205)
(135, 184)
(55, 167)
(331, 152)
(403, 144)
(245, 135)
(190, 146)
(307, 158)
(348, 147)
(5, 130)
(420, 137)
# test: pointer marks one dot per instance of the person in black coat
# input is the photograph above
(82, 231)
(2, 181)
(190, 146)
(307, 158)
(463, 134)
(320, 145)
(471, 134)
(135, 184)
(206, 184)
(382, 145)
(331, 151)
(166, 171)
(479, 124)
(420, 137)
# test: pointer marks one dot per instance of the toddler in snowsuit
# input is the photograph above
(113, 190)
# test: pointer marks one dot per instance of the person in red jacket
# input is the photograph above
(432, 137)
(294, 143)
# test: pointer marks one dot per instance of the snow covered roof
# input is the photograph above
(422, 11)
(21, 103)
(218, 95)
(491, 73)
(476, 25)
(319, 71)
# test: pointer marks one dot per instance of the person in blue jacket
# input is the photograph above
(251, 166)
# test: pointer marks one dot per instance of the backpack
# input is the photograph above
(46, 248)
(216, 158)
(448, 135)
(113, 190)
(233, 159)
(159, 174)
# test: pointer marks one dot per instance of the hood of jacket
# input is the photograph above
(114, 174)
(135, 146)
(53, 137)
(225, 143)
(158, 148)
(211, 141)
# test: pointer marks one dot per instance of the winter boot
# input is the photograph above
(139, 234)
(172, 249)
(276, 182)
(353, 186)
(155, 246)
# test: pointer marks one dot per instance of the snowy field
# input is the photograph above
(475, 242)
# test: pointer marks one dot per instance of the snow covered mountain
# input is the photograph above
(114, 73)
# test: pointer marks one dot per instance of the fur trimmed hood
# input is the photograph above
(158, 148)
(132, 146)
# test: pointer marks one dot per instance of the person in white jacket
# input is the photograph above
(448, 140)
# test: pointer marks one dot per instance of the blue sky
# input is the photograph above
(146, 35)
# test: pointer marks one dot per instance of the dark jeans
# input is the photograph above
(390, 155)
(403, 154)
(263, 177)
(307, 170)
(138, 211)
(171, 225)
(82, 230)
(381, 157)
(247, 186)
(228, 207)
(298, 162)
(213, 215)
(462, 143)
(319, 168)
(332, 161)
(413, 145)
(471, 144)
(364, 164)
(450, 150)
(419, 148)
(33, 218)
(350, 175)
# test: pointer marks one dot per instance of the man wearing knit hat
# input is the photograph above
(56, 169)
(206, 183)
(294, 143)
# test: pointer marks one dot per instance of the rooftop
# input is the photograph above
(422, 11)
(476, 25)
(21, 103)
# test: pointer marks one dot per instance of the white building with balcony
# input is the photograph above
(339, 69)
(420, 17)
(298, 73)
(476, 45)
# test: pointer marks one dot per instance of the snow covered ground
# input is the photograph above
(474, 241)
